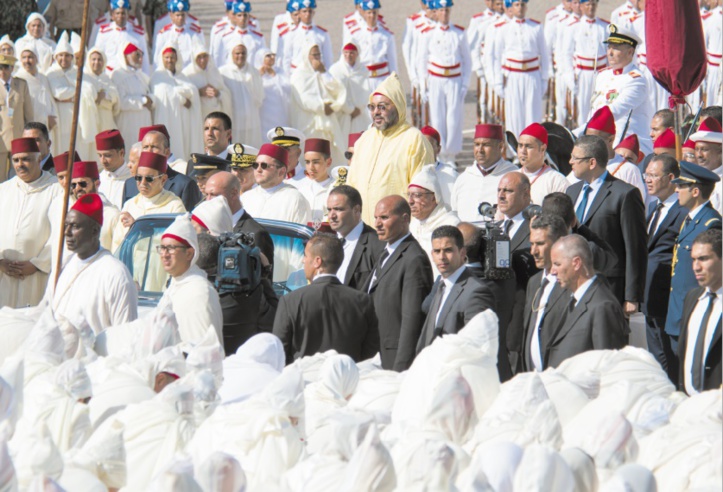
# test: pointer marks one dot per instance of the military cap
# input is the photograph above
(202, 164)
(621, 35)
(241, 156)
(693, 173)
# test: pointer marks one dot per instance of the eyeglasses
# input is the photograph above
(264, 165)
(149, 179)
(348, 155)
(417, 195)
(82, 184)
(381, 107)
(171, 250)
(5, 67)
(580, 159)
(651, 177)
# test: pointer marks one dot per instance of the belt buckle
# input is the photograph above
(446, 71)
(374, 73)
(524, 65)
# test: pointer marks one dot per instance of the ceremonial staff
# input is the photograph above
(73, 133)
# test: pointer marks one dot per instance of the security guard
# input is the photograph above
(694, 187)
(242, 157)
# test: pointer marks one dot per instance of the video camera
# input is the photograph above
(239, 263)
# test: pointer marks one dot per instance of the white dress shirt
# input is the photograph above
(448, 284)
(535, 352)
(667, 204)
(595, 187)
(390, 249)
(696, 318)
(517, 221)
(349, 246)
(580, 292)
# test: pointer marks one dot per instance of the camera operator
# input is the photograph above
(244, 313)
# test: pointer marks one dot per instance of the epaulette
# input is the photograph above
(415, 16)
(634, 74)
(459, 27)
(192, 16)
(321, 28)
(279, 27)
(356, 29)
(427, 29)
(604, 20)
(633, 18)
(349, 15)
(606, 68)
(230, 32)
(421, 25)
(284, 31)
(105, 28)
(480, 14)
(350, 22)
(706, 15)
(574, 22)
(712, 221)
(500, 24)
(550, 10)
(220, 28)
(166, 28)
(139, 30)
(533, 20)
(257, 33)
(196, 28)
(101, 19)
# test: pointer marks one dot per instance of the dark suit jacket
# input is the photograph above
(261, 236)
(401, 287)
(603, 255)
(617, 214)
(363, 259)
(555, 314)
(660, 259)
(245, 315)
(467, 298)
(327, 315)
(712, 374)
(179, 184)
(596, 323)
(48, 164)
(524, 266)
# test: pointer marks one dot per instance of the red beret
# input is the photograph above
(24, 145)
(431, 132)
(353, 137)
(60, 162)
(85, 169)
(689, 144)
(632, 144)
(278, 153)
(317, 145)
(665, 140)
(153, 161)
(90, 205)
(537, 131)
(350, 47)
(153, 128)
(109, 140)
(489, 131)
(130, 48)
(602, 120)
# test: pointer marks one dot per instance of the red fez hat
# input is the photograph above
(431, 132)
(602, 120)
(153, 128)
(60, 162)
(130, 48)
(632, 144)
(153, 161)
(90, 205)
(317, 145)
(353, 137)
(109, 140)
(24, 145)
(278, 153)
(710, 124)
(489, 131)
(537, 131)
(168, 50)
(350, 47)
(85, 169)
(665, 140)
(689, 144)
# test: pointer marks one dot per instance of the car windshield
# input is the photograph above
(138, 253)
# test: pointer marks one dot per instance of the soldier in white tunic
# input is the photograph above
(113, 37)
(240, 33)
(623, 88)
(556, 21)
(414, 25)
(713, 30)
(284, 21)
(377, 49)
(444, 54)
(115, 172)
(476, 39)
(522, 68)
(181, 30)
(531, 149)
(136, 99)
(306, 31)
(478, 183)
(317, 183)
(29, 202)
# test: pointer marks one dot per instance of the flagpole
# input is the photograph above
(73, 134)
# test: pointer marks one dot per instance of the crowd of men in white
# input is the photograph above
(92, 397)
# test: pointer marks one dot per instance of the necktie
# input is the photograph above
(378, 269)
(698, 353)
(573, 303)
(654, 219)
(507, 226)
(580, 212)
(7, 86)
(343, 242)
(437, 305)
(538, 299)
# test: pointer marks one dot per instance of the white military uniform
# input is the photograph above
(183, 37)
(476, 38)
(545, 181)
(621, 15)
(281, 22)
(625, 89)
(106, 19)
(294, 38)
(353, 21)
(487, 59)
(444, 53)
(113, 39)
(712, 28)
(413, 25)
(165, 20)
(474, 187)
(377, 52)
(232, 37)
(224, 23)
(520, 56)
(582, 56)
(564, 24)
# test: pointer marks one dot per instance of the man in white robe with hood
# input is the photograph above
(203, 73)
(353, 116)
(177, 104)
(44, 110)
(136, 99)
(195, 302)
(247, 94)
(29, 221)
(36, 27)
(104, 94)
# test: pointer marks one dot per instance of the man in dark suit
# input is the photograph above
(38, 131)
(503, 289)
(699, 349)
(595, 320)
(362, 247)
(665, 217)
(401, 280)
(457, 296)
(546, 302)
(513, 197)
(695, 186)
(326, 315)
(613, 210)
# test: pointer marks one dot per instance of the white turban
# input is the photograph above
(73, 378)
(340, 375)
(75, 42)
(63, 45)
(254, 365)
(426, 178)
(36, 16)
(169, 360)
(6, 40)
(221, 472)
(182, 231)
(214, 215)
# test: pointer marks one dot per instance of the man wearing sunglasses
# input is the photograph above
(86, 180)
(272, 198)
